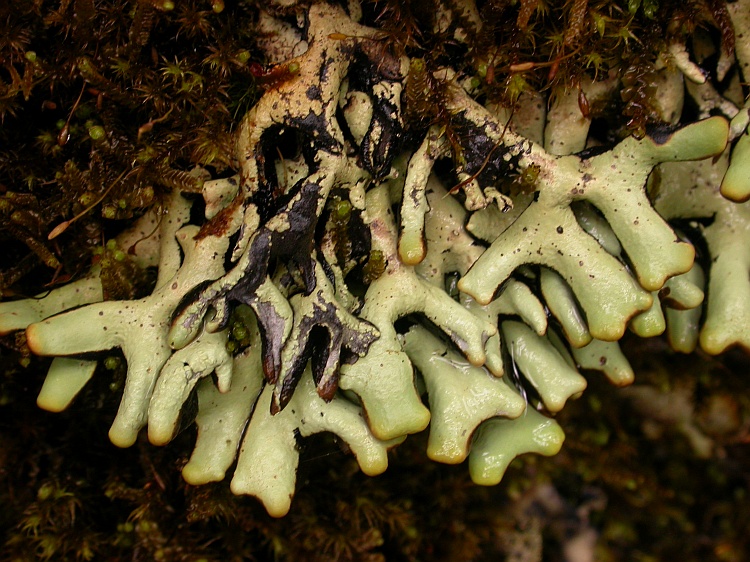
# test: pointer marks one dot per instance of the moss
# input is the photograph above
(86, 100)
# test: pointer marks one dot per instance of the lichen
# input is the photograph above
(415, 211)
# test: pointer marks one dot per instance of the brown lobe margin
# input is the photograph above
(221, 223)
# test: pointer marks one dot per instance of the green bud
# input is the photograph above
(87, 199)
(147, 193)
(417, 65)
(97, 132)
(343, 210)
(243, 56)
(45, 492)
(146, 155)
(239, 332)
(84, 64)
(111, 363)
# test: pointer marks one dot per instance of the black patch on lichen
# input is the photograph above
(313, 93)
(661, 133)
(492, 162)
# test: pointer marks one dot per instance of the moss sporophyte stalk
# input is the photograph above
(371, 219)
